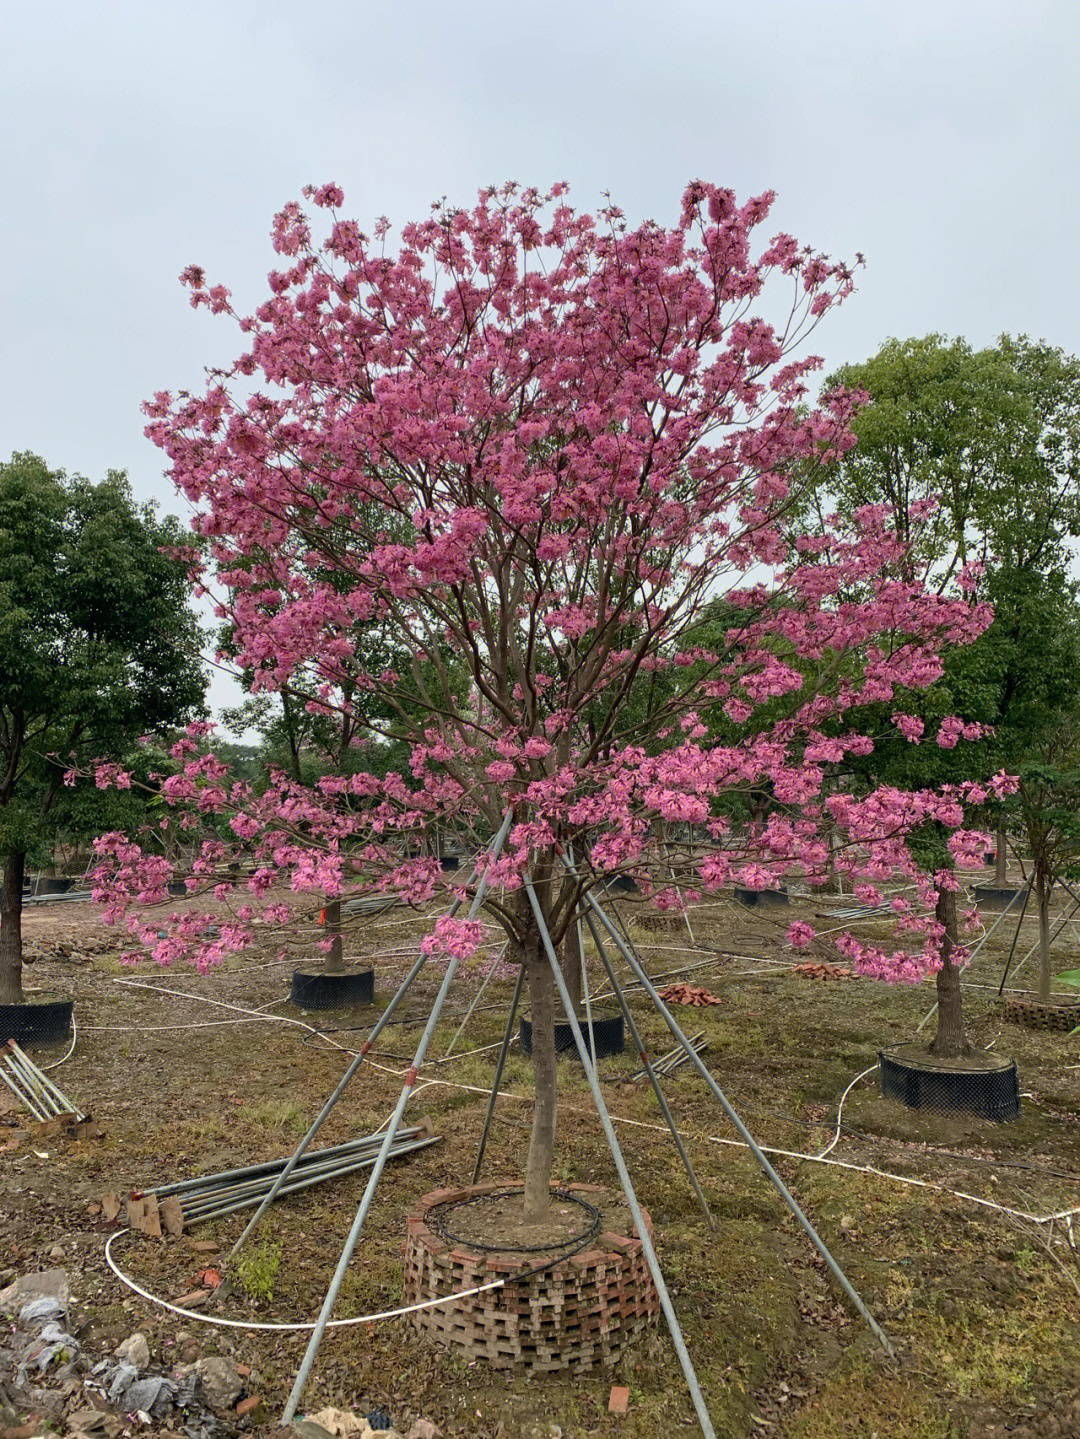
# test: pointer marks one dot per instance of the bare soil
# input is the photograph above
(984, 1314)
(497, 1222)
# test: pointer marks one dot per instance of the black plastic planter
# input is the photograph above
(178, 889)
(46, 1023)
(450, 862)
(607, 1031)
(992, 896)
(622, 884)
(332, 991)
(981, 1084)
(761, 898)
(53, 884)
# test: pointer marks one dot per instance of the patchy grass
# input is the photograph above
(256, 1269)
(278, 1116)
(986, 1326)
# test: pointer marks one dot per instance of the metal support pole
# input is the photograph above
(32, 1086)
(675, 884)
(1060, 926)
(507, 1037)
(300, 1382)
(1012, 947)
(26, 1100)
(476, 998)
(43, 1079)
(751, 1143)
(669, 1118)
(267, 1168)
(232, 1202)
(324, 1112)
(388, 1139)
(212, 1194)
(585, 984)
(585, 991)
(624, 1177)
(365, 1049)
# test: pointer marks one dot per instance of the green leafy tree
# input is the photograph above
(97, 646)
(976, 455)
(1045, 811)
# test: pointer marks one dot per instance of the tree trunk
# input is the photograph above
(1043, 886)
(11, 990)
(950, 1040)
(571, 964)
(542, 1141)
(832, 884)
(333, 963)
(1000, 856)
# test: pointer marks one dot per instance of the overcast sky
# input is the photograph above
(939, 139)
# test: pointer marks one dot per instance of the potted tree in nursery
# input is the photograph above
(548, 471)
(1045, 813)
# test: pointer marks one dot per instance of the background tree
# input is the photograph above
(974, 457)
(1045, 811)
(546, 445)
(97, 646)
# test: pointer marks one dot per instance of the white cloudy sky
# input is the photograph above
(941, 139)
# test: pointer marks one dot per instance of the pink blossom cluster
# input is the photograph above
(526, 451)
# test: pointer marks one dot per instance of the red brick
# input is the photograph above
(619, 1400)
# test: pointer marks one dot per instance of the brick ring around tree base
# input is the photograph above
(582, 1312)
(1061, 1012)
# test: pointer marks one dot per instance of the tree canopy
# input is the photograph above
(97, 646)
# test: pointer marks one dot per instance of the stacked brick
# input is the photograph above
(583, 1312)
(1056, 1014)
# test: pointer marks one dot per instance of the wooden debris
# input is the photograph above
(195, 1300)
(821, 969)
(143, 1215)
(687, 994)
(172, 1215)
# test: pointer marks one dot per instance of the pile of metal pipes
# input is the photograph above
(33, 1088)
(211, 1196)
(671, 1061)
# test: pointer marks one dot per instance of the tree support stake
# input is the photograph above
(365, 1049)
(751, 1143)
(624, 1176)
(669, 1118)
(353, 1236)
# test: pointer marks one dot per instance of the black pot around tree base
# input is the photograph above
(761, 898)
(54, 884)
(607, 1033)
(332, 991)
(981, 1084)
(993, 896)
(46, 1022)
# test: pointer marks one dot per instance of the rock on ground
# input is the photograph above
(48, 1284)
(134, 1350)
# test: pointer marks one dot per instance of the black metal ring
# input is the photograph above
(435, 1221)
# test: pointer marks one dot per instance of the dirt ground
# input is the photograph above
(984, 1315)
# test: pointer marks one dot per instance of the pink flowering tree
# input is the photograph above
(544, 444)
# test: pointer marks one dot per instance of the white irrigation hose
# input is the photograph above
(255, 1017)
(429, 1083)
(251, 1324)
(70, 1050)
(835, 1140)
(239, 1008)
